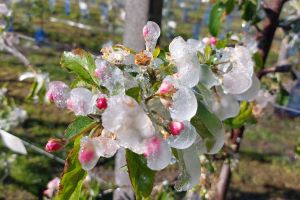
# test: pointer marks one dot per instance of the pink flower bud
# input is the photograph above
(70, 104)
(50, 96)
(145, 31)
(206, 40)
(166, 88)
(86, 155)
(153, 146)
(175, 128)
(101, 103)
(49, 193)
(98, 72)
(213, 41)
(58, 92)
(54, 145)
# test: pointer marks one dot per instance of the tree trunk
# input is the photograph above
(136, 17)
(265, 36)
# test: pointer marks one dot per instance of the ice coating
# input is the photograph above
(236, 83)
(197, 45)
(87, 156)
(207, 77)
(158, 153)
(185, 139)
(105, 147)
(126, 118)
(81, 101)
(237, 69)
(224, 105)
(58, 92)
(151, 33)
(189, 166)
(110, 77)
(184, 104)
(252, 92)
(186, 61)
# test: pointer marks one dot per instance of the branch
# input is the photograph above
(265, 37)
(19, 55)
(275, 69)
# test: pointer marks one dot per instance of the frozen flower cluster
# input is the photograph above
(150, 106)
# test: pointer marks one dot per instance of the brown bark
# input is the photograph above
(265, 37)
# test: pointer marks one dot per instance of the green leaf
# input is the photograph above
(258, 61)
(221, 44)
(248, 10)
(79, 125)
(73, 176)
(80, 63)
(282, 96)
(207, 52)
(134, 93)
(141, 176)
(229, 6)
(244, 117)
(156, 52)
(215, 18)
(209, 127)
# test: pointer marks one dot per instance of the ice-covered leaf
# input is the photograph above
(79, 125)
(73, 176)
(210, 128)
(141, 177)
(80, 63)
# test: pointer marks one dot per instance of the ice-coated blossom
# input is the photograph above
(80, 101)
(58, 92)
(186, 61)
(186, 135)
(87, 155)
(236, 68)
(52, 187)
(224, 105)
(126, 118)
(251, 93)
(151, 33)
(158, 153)
(264, 97)
(105, 146)
(110, 76)
(197, 45)
(183, 103)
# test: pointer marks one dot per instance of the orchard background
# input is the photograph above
(267, 165)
